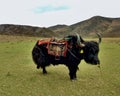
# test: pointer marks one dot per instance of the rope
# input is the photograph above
(101, 75)
(100, 70)
(73, 54)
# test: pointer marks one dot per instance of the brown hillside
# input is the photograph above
(107, 27)
(10, 29)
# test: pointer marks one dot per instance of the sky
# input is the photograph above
(46, 13)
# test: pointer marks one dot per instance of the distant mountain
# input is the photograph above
(10, 29)
(107, 27)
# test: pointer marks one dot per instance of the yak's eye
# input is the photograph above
(92, 51)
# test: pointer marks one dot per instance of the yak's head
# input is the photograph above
(91, 51)
(88, 49)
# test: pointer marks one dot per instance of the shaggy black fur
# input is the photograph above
(73, 56)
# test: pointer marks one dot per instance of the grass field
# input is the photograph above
(19, 76)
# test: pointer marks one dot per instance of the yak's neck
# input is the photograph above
(81, 56)
(78, 56)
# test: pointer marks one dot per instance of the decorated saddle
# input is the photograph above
(55, 47)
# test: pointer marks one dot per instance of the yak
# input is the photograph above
(68, 51)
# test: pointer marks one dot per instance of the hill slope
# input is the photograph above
(108, 27)
(10, 29)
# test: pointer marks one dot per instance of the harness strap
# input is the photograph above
(73, 54)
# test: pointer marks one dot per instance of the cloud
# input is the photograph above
(49, 8)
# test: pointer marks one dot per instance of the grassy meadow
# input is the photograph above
(19, 76)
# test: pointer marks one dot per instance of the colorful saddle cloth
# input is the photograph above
(55, 47)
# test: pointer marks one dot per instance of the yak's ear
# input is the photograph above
(82, 45)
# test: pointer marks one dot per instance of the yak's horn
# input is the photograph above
(79, 41)
(100, 39)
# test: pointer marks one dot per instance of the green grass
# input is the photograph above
(19, 76)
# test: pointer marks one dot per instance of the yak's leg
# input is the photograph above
(44, 70)
(72, 72)
(38, 66)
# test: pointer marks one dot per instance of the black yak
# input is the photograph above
(68, 51)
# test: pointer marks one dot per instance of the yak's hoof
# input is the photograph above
(74, 79)
(38, 67)
(44, 72)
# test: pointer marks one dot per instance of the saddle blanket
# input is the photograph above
(55, 47)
